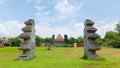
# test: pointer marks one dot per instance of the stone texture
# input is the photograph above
(89, 40)
(28, 36)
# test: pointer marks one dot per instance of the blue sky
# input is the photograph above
(58, 16)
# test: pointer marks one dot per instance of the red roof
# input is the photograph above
(59, 38)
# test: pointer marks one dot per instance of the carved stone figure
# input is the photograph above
(28, 36)
(89, 40)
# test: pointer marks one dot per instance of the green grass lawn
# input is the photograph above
(59, 57)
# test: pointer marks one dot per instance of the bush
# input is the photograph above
(14, 41)
(112, 39)
(99, 41)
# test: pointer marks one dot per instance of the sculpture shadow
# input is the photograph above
(93, 59)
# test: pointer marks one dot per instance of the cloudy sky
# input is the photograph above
(58, 16)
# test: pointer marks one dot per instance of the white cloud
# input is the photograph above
(13, 28)
(64, 7)
(38, 2)
(74, 30)
(63, 11)
(10, 28)
(35, 2)
(79, 29)
(44, 30)
(44, 18)
(106, 27)
(2, 2)
(39, 8)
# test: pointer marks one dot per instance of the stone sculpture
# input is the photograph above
(89, 40)
(28, 36)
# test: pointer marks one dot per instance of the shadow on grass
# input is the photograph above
(93, 59)
(17, 59)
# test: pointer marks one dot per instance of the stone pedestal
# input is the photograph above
(89, 40)
(28, 36)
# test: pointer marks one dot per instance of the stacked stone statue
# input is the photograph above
(28, 36)
(89, 40)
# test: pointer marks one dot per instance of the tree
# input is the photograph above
(51, 41)
(39, 39)
(110, 35)
(79, 39)
(99, 41)
(14, 41)
(112, 39)
(117, 39)
(53, 36)
(66, 40)
(118, 28)
(72, 40)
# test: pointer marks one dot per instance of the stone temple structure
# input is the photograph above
(89, 40)
(59, 40)
(28, 36)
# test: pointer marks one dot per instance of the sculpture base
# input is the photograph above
(93, 56)
(90, 56)
(25, 57)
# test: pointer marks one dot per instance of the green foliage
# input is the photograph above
(39, 39)
(118, 28)
(116, 41)
(66, 40)
(14, 41)
(53, 36)
(110, 35)
(49, 40)
(112, 39)
(99, 41)
(79, 39)
(72, 40)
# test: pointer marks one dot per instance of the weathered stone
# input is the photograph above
(25, 35)
(28, 36)
(91, 29)
(89, 40)
(30, 22)
(27, 29)
(24, 47)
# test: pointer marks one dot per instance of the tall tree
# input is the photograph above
(66, 40)
(118, 28)
(51, 41)
(53, 36)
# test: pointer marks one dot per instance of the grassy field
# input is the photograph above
(59, 58)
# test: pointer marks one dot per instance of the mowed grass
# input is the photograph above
(59, 57)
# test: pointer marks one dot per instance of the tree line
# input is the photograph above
(17, 41)
(111, 39)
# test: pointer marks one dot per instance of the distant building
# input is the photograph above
(59, 40)
(3, 42)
